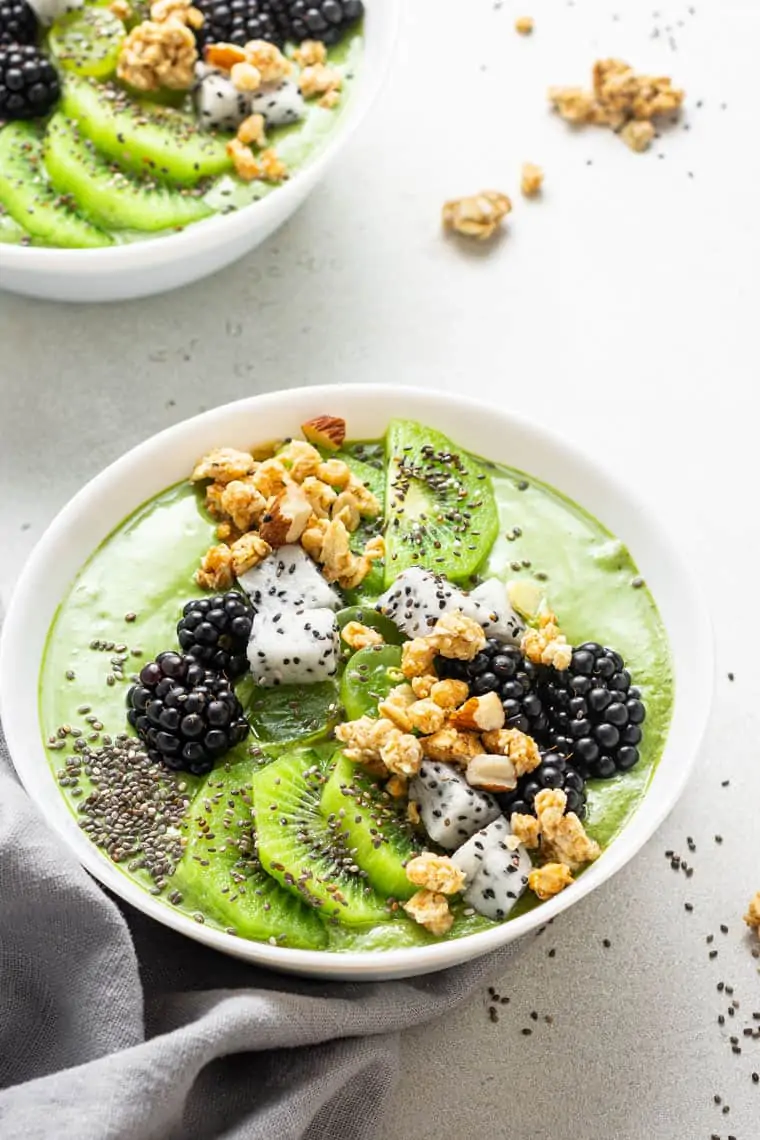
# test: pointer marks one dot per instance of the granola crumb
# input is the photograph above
(273, 168)
(358, 636)
(430, 910)
(437, 873)
(329, 100)
(413, 813)
(398, 787)
(310, 52)
(318, 79)
(246, 166)
(162, 10)
(215, 571)
(477, 216)
(752, 917)
(532, 180)
(245, 77)
(526, 829)
(638, 135)
(248, 552)
(563, 837)
(268, 60)
(155, 55)
(547, 645)
(549, 880)
(120, 9)
(524, 25)
(222, 465)
(252, 130)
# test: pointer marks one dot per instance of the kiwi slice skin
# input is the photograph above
(31, 201)
(11, 233)
(368, 615)
(87, 41)
(377, 829)
(150, 140)
(110, 197)
(303, 850)
(369, 676)
(441, 510)
(220, 872)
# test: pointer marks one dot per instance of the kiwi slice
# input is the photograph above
(87, 41)
(158, 141)
(369, 676)
(368, 615)
(375, 826)
(441, 512)
(286, 713)
(107, 194)
(11, 233)
(28, 197)
(220, 872)
(306, 852)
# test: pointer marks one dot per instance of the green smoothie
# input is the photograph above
(122, 610)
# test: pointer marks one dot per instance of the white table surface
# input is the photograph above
(621, 309)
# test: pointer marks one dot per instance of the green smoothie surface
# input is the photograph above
(130, 595)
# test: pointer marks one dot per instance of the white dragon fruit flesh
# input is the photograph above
(418, 598)
(288, 578)
(449, 808)
(291, 646)
(218, 104)
(496, 875)
(280, 103)
(47, 11)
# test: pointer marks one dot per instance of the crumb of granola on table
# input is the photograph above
(252, 130)
(358, 636)
(155, 55)
(310, 52)
(620, 98)
(222, 465)
(549, 880)
(318, 79)
(430, 910)
(524, 25)
(477, 216)
(531, 180)
(547, 645)
(436, 873)
(638, 135)
(752, 917)
(563, 837)
(215, 571)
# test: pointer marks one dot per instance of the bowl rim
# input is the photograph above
(208, 231)
(399, 962)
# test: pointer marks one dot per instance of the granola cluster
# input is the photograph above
(477, 216)
(161, 52)
(547, 645)
(560, 837)
(437, 876)
(292, 496)
(619, 99)
(752, 917)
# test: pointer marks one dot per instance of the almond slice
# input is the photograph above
(479, 714)
(325, 431)
(286, 517)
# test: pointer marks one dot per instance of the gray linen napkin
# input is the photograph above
(113, 1027)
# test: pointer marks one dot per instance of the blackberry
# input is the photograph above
(216, 631)
(554, 771)
(594, 713)
(29, 83)
(237, 22)
(18, 23)
(502, 669)
(188, 716)
(324, 20)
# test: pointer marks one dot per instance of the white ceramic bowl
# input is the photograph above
(166, 458)
(143, 268)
